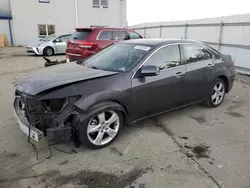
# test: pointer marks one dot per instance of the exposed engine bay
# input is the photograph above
(52, 117)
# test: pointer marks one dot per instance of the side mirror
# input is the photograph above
(149, 70)
(57, 40)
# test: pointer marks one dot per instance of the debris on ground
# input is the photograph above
(199, 119)
(199, 151)
(93, 179)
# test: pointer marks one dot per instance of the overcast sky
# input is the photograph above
(140, 11)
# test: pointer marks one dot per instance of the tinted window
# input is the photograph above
(105, 35)
(166, 57)
(118, 58)
(119, 35)
(194, 53)
(133, 35)
(81, 34)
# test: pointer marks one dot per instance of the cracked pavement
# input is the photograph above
(192, 147)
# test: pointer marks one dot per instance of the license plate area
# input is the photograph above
(36, 136)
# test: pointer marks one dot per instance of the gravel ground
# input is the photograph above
(191, 147)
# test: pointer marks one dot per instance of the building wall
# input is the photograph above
(4, 12)
(114, 16)
(5, 8)
(4, 29)
(61, 13)
(233, 37)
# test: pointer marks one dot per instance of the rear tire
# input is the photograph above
(48, 51)
(216, 94)
(98, 125)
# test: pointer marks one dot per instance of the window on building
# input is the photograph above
(45, 30)
(100, 3)
(44, 1)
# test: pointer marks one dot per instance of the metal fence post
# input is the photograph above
(160, 31)
(220, 36)
(185, 31)
(145, 32)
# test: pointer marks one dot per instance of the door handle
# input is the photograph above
(179, 74)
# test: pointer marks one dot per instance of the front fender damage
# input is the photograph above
(52, 117)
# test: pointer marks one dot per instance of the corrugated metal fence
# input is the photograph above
(230, 38)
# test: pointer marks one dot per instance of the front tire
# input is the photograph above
(101, 128)
(48, 51)
(216, 94)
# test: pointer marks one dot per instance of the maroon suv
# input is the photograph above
(87, 41)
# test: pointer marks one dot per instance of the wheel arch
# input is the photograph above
(117, 99)
(226, 81)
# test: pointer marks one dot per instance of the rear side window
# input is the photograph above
(194, 53)
(105, 35)
(133, 35)
(81, 34)
(119, 35)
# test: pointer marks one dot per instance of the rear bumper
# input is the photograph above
(73, 57)
(79, 56)
(230, 82)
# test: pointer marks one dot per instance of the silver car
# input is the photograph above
(50, 45)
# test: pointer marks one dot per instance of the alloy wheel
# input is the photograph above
(218, 93)
(49, 51)
(103, 128)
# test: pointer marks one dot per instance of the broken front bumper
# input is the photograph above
(36, 136)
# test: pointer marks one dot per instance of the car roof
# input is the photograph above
(104, 28)
(159, 41)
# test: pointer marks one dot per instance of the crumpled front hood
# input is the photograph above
(58, 75)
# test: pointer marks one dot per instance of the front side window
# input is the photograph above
(119, 35)
(100, 3)
(64, 38)
(105, 35)
(194, 53)
(48, 38)
(166, 57)
(45, 30)
(120, 57)
(133, 35)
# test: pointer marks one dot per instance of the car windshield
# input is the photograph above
(48, 38)
(118, 58)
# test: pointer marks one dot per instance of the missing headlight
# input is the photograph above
(55, 105)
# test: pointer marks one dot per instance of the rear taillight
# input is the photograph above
(86, 45)
(232, 62)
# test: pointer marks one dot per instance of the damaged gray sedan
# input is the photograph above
(91, 100)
